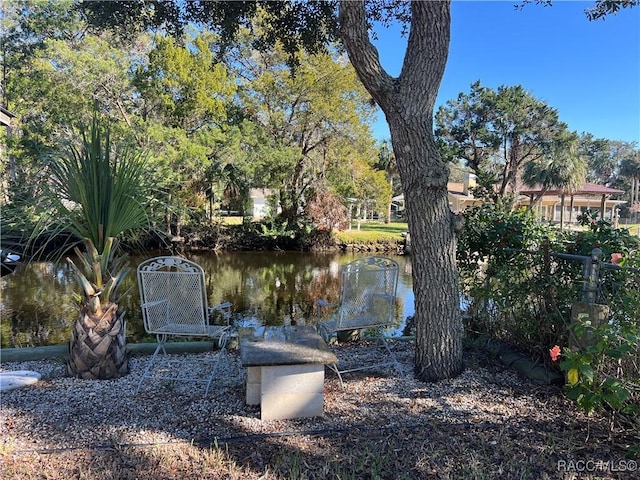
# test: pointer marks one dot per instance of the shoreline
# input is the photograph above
(30, 354)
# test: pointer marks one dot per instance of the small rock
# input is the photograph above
(20, 378)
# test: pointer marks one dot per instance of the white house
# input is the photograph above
(260, 201)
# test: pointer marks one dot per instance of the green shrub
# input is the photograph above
(518, 290)
(599, 233)
(507, 277)
(587, 367)
(604, 374)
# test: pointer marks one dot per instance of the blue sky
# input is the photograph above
(588, 71)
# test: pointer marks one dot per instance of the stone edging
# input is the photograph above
(60, 351)
(28, 354)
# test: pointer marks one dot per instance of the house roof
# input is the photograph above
(586, 189)
(456, 188)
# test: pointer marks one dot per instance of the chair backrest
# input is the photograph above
(368, 293)
(173, 296)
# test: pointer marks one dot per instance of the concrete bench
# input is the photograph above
(285, 370)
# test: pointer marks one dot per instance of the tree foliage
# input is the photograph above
(599, 10)
(613, 163)
(184, 85)
(604, 157)
(498, 132)
(302, 118)
(213, 129)
(294, 25)
(563, 169)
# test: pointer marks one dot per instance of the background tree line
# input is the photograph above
(214, 128)
(220, 121)
(509, 138)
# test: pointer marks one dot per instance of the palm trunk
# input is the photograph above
(97, 350)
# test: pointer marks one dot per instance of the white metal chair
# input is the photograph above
(367, 303)
(173, 299)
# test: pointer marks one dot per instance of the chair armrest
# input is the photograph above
(154, 318)
(154, 303)
(322, 303)
(224, 308)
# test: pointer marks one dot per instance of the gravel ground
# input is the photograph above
(489, 413)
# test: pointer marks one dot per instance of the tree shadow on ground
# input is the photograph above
(485, 423)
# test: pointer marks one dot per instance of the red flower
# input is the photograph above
(554, 352)
(616, 257)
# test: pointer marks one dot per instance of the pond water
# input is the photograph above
(266, 288)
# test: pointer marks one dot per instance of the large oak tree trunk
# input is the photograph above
(432, 226)
(408, 103)
(290, 196)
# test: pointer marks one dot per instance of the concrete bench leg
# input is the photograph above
(287, 391)
(253, 385)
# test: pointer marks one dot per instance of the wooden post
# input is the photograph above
(597, 314)
(591, 276)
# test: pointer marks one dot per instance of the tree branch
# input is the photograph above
(428, 45)
(362, 53)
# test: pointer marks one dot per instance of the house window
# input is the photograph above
(556, 213)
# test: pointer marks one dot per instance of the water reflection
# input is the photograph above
(266, 288)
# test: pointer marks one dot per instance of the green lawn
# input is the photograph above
(372, 232)
(633, 228)
(231, 220)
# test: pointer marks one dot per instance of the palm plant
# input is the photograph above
(96, 194)
(630, 168)
(564, 170)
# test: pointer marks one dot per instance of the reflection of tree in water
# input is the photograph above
(265, 286)
(37, 306)
(323, 286)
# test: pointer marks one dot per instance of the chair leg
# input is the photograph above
(222, 354)
(161, 339)
(394, 360)
(334, 368)
(219, 356)
(159, 348)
